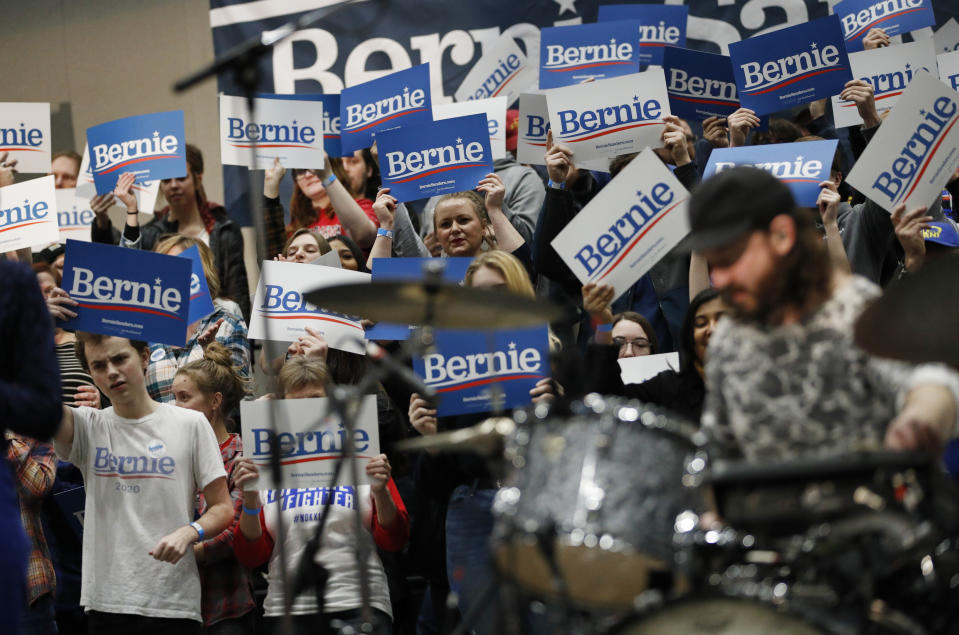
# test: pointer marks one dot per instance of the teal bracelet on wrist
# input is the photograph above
(252, 511)
(199, 531)
(558, 186)
(384, 232)
(329, 180)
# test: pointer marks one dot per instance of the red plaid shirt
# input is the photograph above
(225, 583)
(35, 466)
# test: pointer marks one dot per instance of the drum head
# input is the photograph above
(718, 616)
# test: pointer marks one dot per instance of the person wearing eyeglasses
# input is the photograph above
(629, 332)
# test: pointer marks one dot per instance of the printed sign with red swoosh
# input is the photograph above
(28, 214)
(502, 71)
(660, 26)
(290, 130)
(572, 54)
(895, 17)
(610, 117)
(700, 85)
(398, 99)
(25, 135)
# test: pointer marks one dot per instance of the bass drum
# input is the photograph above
(719, 616)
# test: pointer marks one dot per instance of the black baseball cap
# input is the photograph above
(732, 203)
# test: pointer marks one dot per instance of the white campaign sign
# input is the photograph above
(636, 370)
(74, 215)
(628, 227)
(309, 447)
(286, 128)
(25, 135)
(610, 117)
(916, 149)
(28, 214)
(502, 71)
(889, 70)
(281, 314)
(531, 135)
(947, 37)
(495, 111)
(145, 194)
(949, 69)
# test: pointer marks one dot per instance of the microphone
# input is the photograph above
(410, 380)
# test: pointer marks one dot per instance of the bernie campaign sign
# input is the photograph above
(572, 54)
(946, 38)
(73, 215)
(482, 371)
(151, 146)
(895, 17)
(145, 193)
(308, 446)
(28, 214)
(412, 269)
(610, 117)
(495, 111)
(801, 166)
(915, 151)
(280, 313)
(503, 71)
(888, 70)
(532, 129)
(949, 69)
(201, 304)
(397, 100)
(419, 161)
(660, 26)
(791, 67)
(628, 227)
(25, 136)
(700, 85)
(129, 293)
(288, 129)
(331, 119)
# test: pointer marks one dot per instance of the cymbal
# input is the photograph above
(440, 304)
(915, 319)
(485, 438)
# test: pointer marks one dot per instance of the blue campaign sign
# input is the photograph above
(572, 54)
(151, 146)
(802, 166)
(700, 85)
(660, 26)
(451, 155)
(331, 119)
(398, 99)
(454, 270)
(792, 66)
(470, 368)
(895, 17)
(201, 304)
(128, 293)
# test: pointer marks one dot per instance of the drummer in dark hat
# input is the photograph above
(784, 377)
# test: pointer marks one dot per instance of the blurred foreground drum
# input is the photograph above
(588, 513)
(703, 615)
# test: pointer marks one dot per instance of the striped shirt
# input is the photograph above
(72, 375)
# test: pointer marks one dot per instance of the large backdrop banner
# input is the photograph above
(371, 38)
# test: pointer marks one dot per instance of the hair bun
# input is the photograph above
(218, 354)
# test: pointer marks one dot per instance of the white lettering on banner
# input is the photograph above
(658, 33)
(271, 133)
(114, 155)
(23, 213)
(361, 116)
(407, 164)
(500, 76)
(105, 463)
(796, 169)
(118, 291)
(761, 78)
(854, 23)
(20, 138)
(574, 123)
(596, 258)
(567, 58)
(681, 83)
(331, 125)
(908, 166)
(447, 371)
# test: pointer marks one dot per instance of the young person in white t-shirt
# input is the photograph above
(143, 463)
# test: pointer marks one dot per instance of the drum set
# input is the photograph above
(616, 517)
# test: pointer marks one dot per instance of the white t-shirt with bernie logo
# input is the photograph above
(141, 478)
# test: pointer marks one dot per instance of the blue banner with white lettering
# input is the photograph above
(412, 269)
(420, 161)
(895, 17)
(790, 67)
(700, 85)
(660, 25)
(482, 371)
(331, 119)
(802, 166)
(151, 146)
(129, 293)
(201, 304)
(363, 40)
(572, 54)
(396, 100)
